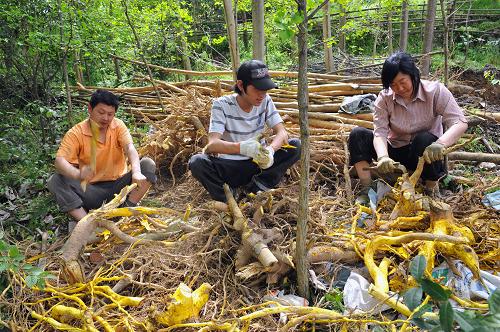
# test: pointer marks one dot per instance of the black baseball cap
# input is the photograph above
(256, 73)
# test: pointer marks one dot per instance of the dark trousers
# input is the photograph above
(213, 172)
(361, 149)
(69, 194)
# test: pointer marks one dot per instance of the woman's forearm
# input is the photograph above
(453, 133)
(380, 145)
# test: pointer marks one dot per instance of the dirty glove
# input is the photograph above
(433, 152)
(251, 147)
(265, 158)
(385, 165)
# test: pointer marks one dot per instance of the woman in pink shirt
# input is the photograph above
(408, 123)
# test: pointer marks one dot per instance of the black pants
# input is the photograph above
(69, 194)
(361, 149)
(213, 172)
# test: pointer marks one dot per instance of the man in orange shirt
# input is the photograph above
(78, 188)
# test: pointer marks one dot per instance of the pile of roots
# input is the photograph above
(188, 262)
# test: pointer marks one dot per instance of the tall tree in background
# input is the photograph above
(327, 35)
(232, 36)
(390, 48)
(444, 15)
(428, 36)
(303, 101)
(403, 33)
(342, 22)
(258, 36)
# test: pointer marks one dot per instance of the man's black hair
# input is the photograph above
(105, 97)
(245, 85)
(400, 62)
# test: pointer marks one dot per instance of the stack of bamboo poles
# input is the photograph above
(180, 111)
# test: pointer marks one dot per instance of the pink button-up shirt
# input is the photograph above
(399, 122)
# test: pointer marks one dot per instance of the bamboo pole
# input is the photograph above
(335, 117)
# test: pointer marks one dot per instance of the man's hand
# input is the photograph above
(86, 173)
(265, 158)
(433, 152)
(385, 165)
(139, 178)
(250, 147)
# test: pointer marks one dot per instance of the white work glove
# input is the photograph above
(385, 165)
(251, 147)
(433, 152)
(265, 158)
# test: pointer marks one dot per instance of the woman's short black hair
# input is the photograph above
(400, 62)
(105, 97)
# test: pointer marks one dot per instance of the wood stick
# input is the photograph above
(475, 156)
(335, 117)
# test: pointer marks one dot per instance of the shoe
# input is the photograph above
(432, 192)
(362, 199)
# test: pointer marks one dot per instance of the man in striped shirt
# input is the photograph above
(235, 154)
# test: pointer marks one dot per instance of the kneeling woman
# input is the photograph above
(408, 123)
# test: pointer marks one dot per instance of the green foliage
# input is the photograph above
(490, 76)
(335, 300)
(466, 319)
(413, 297)
(417, 267)
(12, 261)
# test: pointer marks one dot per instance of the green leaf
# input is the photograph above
(413, 297)
(466, 323)
(285, 34)
(425, 324)
(417, 267)
(481, 329)
(494, 301)
(31, 281)
(435, 290)
(4, 266)
(15, 253)
(446, 316)
(297, 18)
(40, 283)
(425, 308)
(491, 320)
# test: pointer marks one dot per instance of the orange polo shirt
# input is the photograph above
(111, 161)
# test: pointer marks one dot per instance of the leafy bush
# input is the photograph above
(12, 261)
(448, 317)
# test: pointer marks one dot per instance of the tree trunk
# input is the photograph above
(184, 50)
(389, 35)
(303, 213)
(428, 36)
(65, 67)
(452, 26)
(445, 40)
(117, 69)
(327, 35)
(342, 22)
(403, 34)
(66, 85)
(375, 41)
(245, 32)
(77, 68)
(258, 37)
(143, 58)
(232, 36)
(467, 31)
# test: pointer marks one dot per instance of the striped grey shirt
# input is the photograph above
(236, 125)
